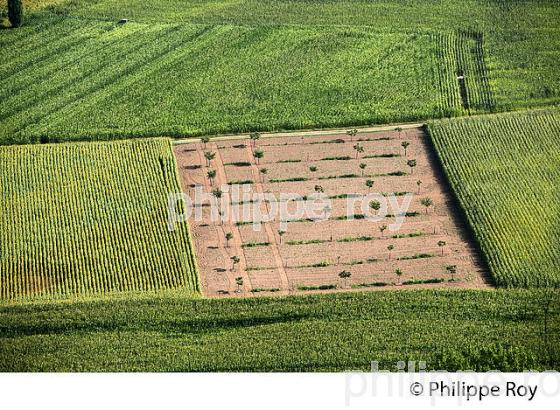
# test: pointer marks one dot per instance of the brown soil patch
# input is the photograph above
(285, 264)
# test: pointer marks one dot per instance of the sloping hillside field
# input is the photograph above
(505, 170)
(181, 68)
(89, 219)
(98, 80)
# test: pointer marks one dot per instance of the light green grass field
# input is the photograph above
(476, 330)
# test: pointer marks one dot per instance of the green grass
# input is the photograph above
(90, 218)
(423, 281)
(32, 5)
(72, 73)
(343, 158)
(296, 179)
(356, 239)
(408, 235)
(241, 182)
(416, 256)
(258, 290)
(370, 285)
(308, 333)
(238, 164)
(306, 242)
(254, 244)
(505, 171)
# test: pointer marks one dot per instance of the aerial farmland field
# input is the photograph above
(506, 172)
(83, 220)
(241, 66)
(307, 252)
(279, 185)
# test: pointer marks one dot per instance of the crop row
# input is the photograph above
(90, 219)
(71, 79)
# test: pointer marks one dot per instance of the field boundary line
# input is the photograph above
(302, 133)
(361, 129)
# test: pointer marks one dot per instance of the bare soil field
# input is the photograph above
(299, 253)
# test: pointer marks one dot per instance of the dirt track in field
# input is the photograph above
(313, 253)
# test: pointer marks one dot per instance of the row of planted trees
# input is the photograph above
(449, 269)
(375, 205)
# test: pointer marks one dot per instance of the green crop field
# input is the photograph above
(208, 79)
(90, 219)
(477, 330)
(92, 280)
(189, 68)
(505, 170)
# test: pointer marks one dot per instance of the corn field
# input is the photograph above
(88, 219)
(194, 68)
(505, 170)
(479, 330)
(100, 81)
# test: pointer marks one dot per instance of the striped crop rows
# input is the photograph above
(463, 76)
(182, 68)
(95, 80)
(86, 219)
(505, 171)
